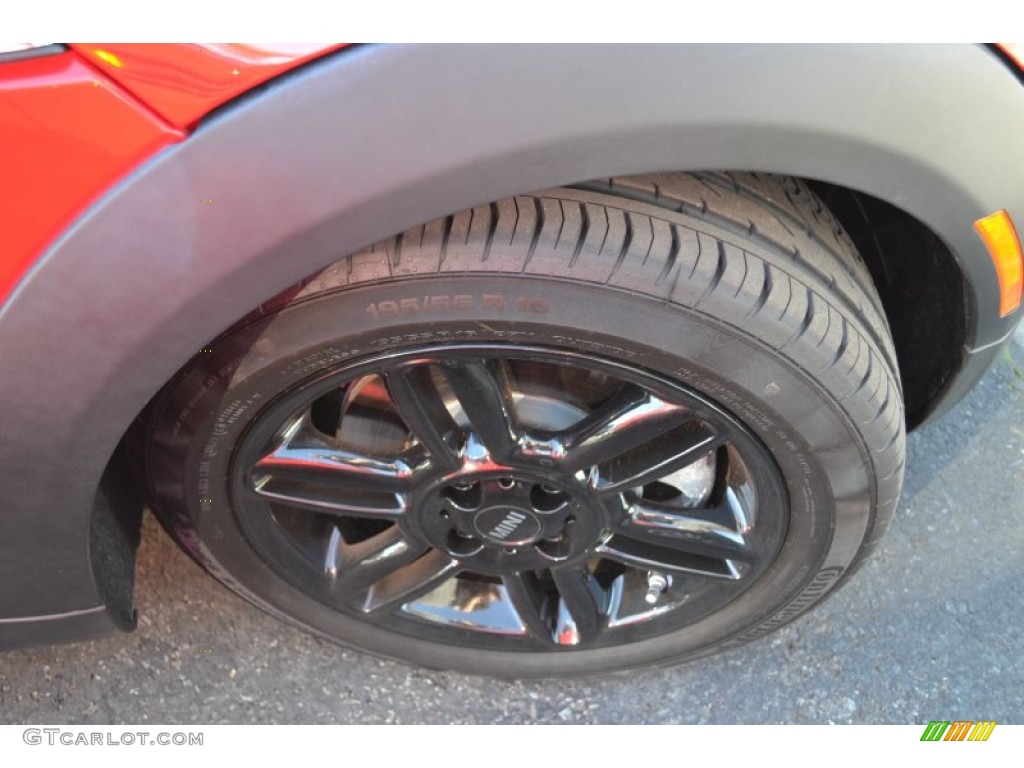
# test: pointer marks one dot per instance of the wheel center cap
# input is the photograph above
(507, 525)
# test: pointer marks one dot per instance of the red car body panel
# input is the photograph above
(74, 123)
(183, 82)
(67, 133)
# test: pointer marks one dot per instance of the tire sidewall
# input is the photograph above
(204, 413)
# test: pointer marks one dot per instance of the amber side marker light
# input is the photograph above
(1015, 51)
(1003, 246)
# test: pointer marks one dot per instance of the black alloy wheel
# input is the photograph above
(510, 497)
(596, 428)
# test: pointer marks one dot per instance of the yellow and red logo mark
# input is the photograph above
(958, 730)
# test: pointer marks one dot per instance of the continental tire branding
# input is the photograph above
(818, 586)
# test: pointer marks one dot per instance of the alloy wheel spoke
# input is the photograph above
(356, 568)
(710, 532)
(629, 420)
(410, 582)
(485, 394)
(580, 614)
(318, 462)
(327, 498)
(417, 400)
(654, 556)
(530, 603)
(652, 461)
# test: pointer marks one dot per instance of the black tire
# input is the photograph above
(735, 297)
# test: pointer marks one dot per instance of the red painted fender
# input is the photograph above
(74, 123)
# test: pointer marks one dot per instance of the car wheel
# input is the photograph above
(594, 428)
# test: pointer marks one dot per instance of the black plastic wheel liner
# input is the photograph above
(371, 141)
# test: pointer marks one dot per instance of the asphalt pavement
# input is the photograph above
(931, 628)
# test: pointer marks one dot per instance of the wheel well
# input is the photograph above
(926, 316)
(921, 287)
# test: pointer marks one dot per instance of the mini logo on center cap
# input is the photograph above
(507, 526)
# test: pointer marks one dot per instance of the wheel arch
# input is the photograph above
(327, 160)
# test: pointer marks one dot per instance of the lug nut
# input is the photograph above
(656, 584)
(506, 482)
(460, 544)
